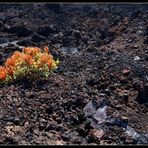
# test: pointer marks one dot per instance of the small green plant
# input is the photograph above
(30, 62)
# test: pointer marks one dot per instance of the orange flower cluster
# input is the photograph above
(3, 73)
(30, 60)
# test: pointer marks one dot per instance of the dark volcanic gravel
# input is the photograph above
(98, 94)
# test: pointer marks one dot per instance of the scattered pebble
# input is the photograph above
(136, 58)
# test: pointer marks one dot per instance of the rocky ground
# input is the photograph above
(99, 93)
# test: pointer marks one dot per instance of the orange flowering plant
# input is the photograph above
(30, 62)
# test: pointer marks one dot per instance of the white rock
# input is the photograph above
(136, 58)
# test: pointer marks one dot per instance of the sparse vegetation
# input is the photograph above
(30, 62)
